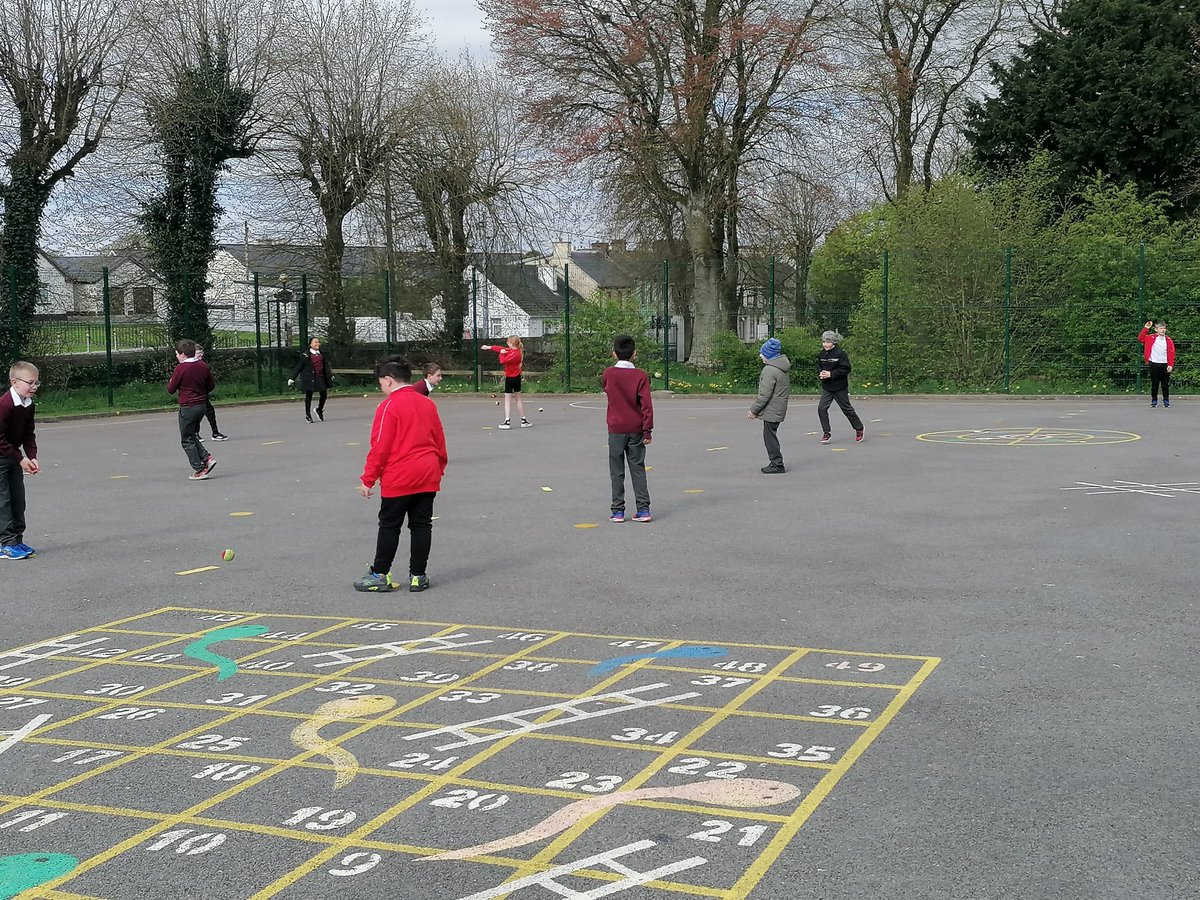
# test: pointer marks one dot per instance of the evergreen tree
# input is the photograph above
(200, 124)
(1113, 88)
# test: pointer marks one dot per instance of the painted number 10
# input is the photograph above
(188, 846)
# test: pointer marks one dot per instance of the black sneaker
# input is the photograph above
(418, 583)
(772, 470)
(217, 436)
(308, 419)
(321, 415)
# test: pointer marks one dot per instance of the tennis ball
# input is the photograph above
(227, 555)
(540, 409)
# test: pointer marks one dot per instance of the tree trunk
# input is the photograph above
(706, 297)
(24, 203)
(333, 250)
(904, 147)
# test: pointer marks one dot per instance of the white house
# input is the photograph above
(74, 285)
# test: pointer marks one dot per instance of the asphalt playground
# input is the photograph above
(1012, 580)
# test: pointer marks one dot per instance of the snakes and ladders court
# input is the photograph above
(354, 757)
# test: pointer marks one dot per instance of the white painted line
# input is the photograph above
(24, 731)
(395, 648)
(520, 718)
(608, 860)
(25, 654)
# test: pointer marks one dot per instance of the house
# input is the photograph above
(605, 266)
(74, 285)
(514, 298)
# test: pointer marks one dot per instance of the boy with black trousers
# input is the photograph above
(833, 368)
(407, 459)
(18, 457)
(774, 388)
(630, 423)
(193, 380)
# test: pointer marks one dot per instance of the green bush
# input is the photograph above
(594, 324)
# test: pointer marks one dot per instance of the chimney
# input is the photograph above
(600, 245)
(562, 252)
(620, 246)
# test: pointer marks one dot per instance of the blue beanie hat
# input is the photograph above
(772, 348)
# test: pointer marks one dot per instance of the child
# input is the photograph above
(16, 435)
(315, 375)
(433, 377)
(1160, 357)
(771, 404)
(407, 458)
(630, 422)
(833, 368)
(193, 379)
(511, 358)
(210, 411)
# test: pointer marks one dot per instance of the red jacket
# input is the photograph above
(510, 358)
(629, 408)
(408, 446)
(1147, 340)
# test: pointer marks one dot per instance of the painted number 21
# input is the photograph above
(715, 828)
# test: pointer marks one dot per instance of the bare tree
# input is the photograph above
(922, 59)
(340, 114)
(694, 83)
(64, 65)
(467, 164)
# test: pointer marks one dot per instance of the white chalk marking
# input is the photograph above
(607, 860)
(395, 648)
(24, 731)
(27, 654)
(524, 726)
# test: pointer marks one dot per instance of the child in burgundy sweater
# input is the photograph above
(630, 422)
(16, 435)
(193, 379)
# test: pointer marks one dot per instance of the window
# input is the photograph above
(143, 301)
(497, 329)
(116, 300)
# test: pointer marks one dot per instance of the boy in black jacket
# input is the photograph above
(833, 368)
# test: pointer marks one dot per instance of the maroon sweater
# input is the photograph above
(629, 408)
(16, 428)
(194, 381)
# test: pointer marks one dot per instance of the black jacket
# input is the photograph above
(307, 376)
(837, 361)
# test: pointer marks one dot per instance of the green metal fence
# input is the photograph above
(1003, 319)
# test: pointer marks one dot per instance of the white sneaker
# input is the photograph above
(505, 425)
(525, 423)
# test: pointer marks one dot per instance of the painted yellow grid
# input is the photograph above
(360, 837)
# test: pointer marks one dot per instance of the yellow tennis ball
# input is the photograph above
(227, 555)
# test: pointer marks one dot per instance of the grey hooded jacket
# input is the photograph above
(774, 387)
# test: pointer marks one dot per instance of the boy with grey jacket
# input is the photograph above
(771, 404)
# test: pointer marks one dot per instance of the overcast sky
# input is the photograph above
(456, 24)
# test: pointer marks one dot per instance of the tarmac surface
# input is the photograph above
(960, 666)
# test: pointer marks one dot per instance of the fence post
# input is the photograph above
(885, 321)
(771, 302)
(279, 344)
(475, 321)
(1007, 320)
(1141, 302)
(257, 336)
(387, 310)
(666, 324)
(107, 334)
(302, 312)
(567, 318)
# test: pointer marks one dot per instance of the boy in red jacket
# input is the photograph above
(1160, 357)
(630, 421)
(407, 458)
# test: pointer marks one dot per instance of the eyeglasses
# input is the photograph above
(27, 381)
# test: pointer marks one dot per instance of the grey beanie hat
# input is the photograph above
(832, 336)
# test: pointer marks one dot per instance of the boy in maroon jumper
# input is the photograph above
(407, 458)
(16, 434)
(193, 379)
(630, 421)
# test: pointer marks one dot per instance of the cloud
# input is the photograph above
(457, 24)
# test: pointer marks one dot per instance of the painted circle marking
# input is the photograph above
(1027, 437)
